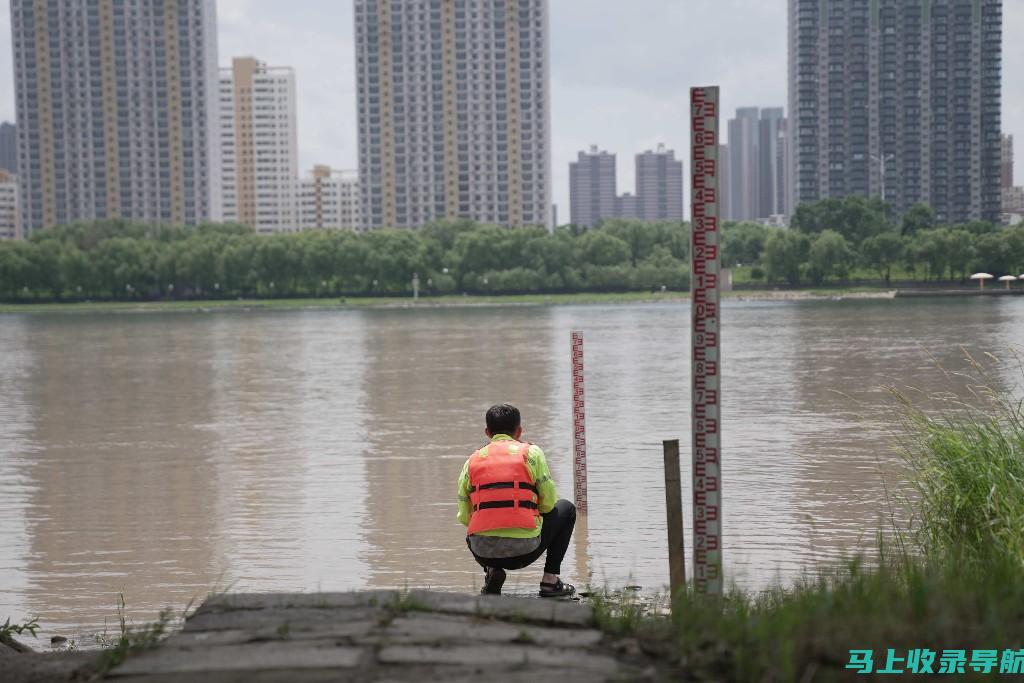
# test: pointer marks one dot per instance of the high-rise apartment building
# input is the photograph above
(454, 111)
(771, 176)
(626, 206)
(259, 138)
(9, 228)
(592, 193)
(724, 189)
(8, 147)
(911, 86)
(328, 200)
(659, 185)
(744, 165)
(117, 110)
(755, 187)
(592, 188)
(1006, 163)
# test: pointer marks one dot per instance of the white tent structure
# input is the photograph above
(1007, 279)
(981, 277)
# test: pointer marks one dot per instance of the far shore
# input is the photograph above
(451, 301)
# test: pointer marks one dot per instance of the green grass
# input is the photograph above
(967, 465)
(953, 578)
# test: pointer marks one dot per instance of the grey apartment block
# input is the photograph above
(454, 111)
(592, 191)
(724, 187)
(744, 164)
(8, 147)
(626, 206)
(1006, 163)
(117, 110)
(755, 187)
(659, 185)
(916, 82)
(771, 137)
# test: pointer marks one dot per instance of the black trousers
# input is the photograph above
(555, 535)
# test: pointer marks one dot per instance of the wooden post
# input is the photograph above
(674, 507)
(706, 340)
(579, 437)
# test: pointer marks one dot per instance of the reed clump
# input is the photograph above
(950, 577)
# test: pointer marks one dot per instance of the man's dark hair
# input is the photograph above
(503, 419)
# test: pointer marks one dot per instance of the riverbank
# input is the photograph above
(45, 667)
(363, 636)
(345, 303)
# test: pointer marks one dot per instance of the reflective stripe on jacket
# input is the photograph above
(501, 489)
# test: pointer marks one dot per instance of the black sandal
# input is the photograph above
(494, 579)
(556, 589)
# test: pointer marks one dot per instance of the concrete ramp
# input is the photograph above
(383, 636)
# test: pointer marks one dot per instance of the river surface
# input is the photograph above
(168, 455)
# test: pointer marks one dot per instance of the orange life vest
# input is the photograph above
(501, 489)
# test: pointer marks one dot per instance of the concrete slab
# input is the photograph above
(278, 617)
(421, 628)
(267, 676)
(495, 657)
(243, 658)
(454, 674)
(556, 612)
(223, 602)
(287, 630)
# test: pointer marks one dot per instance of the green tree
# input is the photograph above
(14, 267)
(931, 249)
(855, 218)
(829, 256)
(918, 218)
(960, 252)
(881, 253)
(599, 248)
(784, 252)
(994, 254)
(743, 243)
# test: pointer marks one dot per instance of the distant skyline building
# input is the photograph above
(659, 185)
(1006, 163)
(592, 188)
(913, 86)
(754, 159)
(724, 187)
(1012, 196)
(259, 138)
(328, 199)
(593, 195)
(771, 142)
(454, 111)
(117, 110)
(744, 165)
(627, 206)
(8, 147)
(9, 224)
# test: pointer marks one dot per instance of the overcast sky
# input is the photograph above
(619, 70)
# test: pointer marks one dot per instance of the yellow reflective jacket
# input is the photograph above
(547, 495)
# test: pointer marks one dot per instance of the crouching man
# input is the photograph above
(510, 507)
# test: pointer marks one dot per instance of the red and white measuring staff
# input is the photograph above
(578, 424)
(706, 360)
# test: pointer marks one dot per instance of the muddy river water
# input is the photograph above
(165, 455)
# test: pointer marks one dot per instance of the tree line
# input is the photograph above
(830, 238)
(122, 260)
